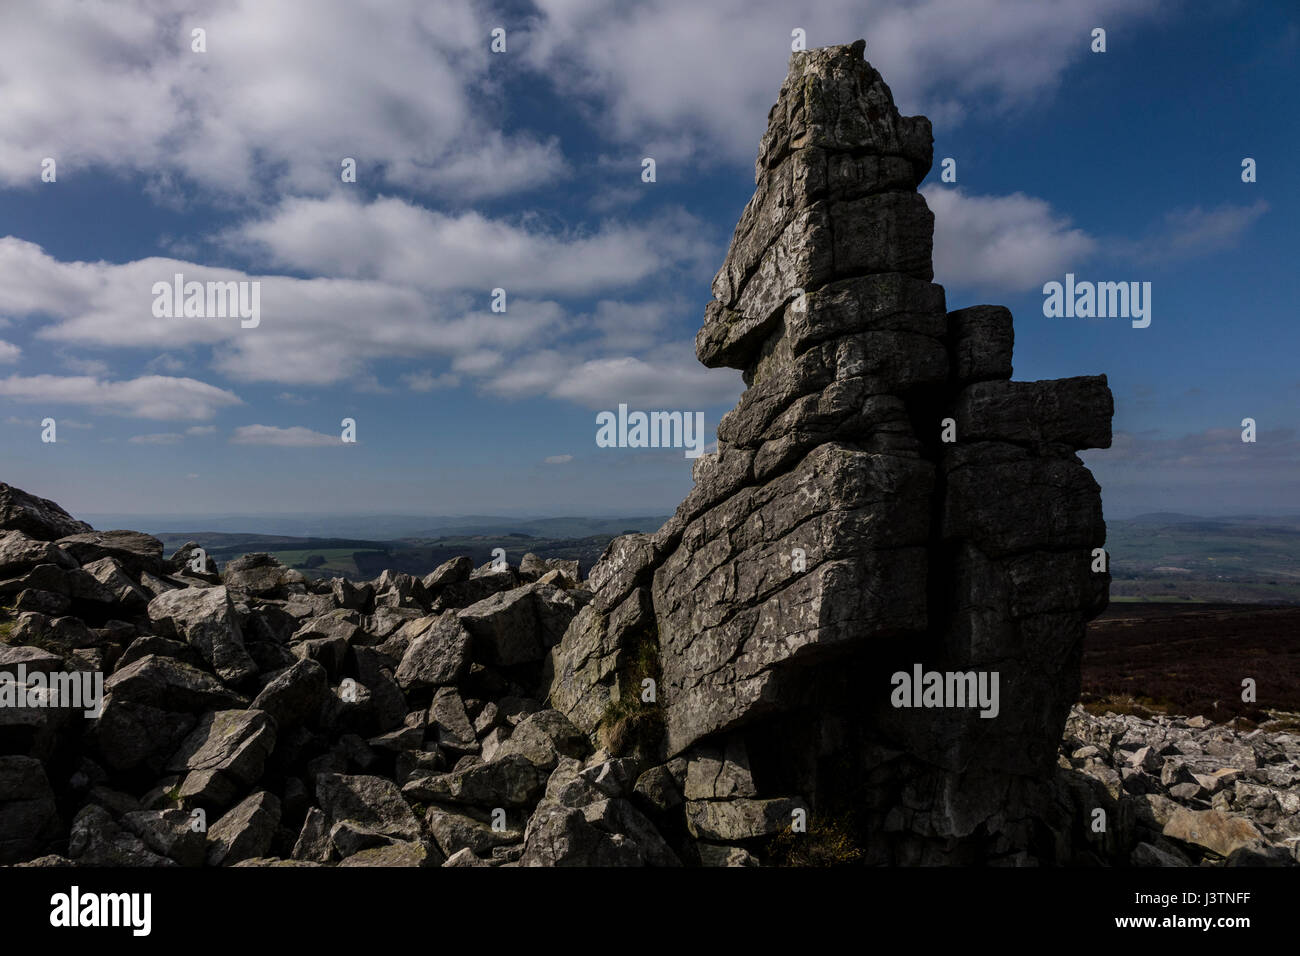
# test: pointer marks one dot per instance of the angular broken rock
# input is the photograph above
(295, 696)
(451, 723)
(519, 626)
(245, 831)
(543, 738)
(561, 836)
(170, 684)
(135, 551)
(20, 552)
(225, 753)
(509, 781)
(261, 575)
(449, 572)
(455, 831)
(36, 517)
(96, 839)
(170, 833)
(369, 809)
(205, 618)
(438, 653)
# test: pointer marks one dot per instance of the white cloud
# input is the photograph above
(634, 326)
(312, 331)
(9, 353)
(669, 378)
(558, 459)
(283, 93)
(1186, 233)
(676, 75)
(164, 438)
(295, 437)
(149, 396)
(394, 241)
(426, 381)
(201, 430)
(325, 331)
(493, 167)
(478, 362)
(1004, 243)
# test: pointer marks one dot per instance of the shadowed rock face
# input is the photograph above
(840, 536)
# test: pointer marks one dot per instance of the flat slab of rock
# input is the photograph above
(135, 551)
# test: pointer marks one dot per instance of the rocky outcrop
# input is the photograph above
(36, 517)
(857, 640)
(258, 717)
(883, 499)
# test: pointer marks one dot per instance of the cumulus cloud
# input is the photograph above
(283, 93)
(668, 378)
(312, 331)
(149, 396)
(392, 240)
(295, 437)
(9, 353)
(671, 75)
(329, 330)
(1005, 243)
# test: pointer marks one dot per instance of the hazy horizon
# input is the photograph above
(268, 522)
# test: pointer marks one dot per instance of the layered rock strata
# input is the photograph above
(883, 497)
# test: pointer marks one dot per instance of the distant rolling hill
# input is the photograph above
(583, 539)
(1174, 557)
(376, 527)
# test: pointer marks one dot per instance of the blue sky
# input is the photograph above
(522, 170)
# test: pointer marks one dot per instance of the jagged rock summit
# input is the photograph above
(883, 498)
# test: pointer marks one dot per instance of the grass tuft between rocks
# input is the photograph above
(828, 842)
(629, 724)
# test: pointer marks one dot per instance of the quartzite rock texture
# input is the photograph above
(882, 497)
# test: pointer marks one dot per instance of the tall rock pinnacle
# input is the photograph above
(884, 505)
